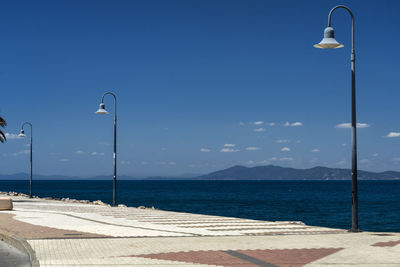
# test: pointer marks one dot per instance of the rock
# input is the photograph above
(84, 201)
(141, 207)
(122, 206)
(99, 202)
(48, 198)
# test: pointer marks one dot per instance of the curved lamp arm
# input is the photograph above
(115, 102)
(352, 22)
(30, 124)
(22, 128)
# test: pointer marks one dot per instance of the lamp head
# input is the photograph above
(102, 109)
(329, 40)
(22, 134)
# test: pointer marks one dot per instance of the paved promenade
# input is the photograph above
(75, 234)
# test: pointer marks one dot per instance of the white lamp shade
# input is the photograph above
(22, 134)
(102, 109)
(329, 40)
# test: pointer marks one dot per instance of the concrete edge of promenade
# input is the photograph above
(20, 244)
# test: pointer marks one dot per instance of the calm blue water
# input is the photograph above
(323, 203)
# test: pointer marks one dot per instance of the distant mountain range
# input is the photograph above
(272, 172)
(269, 172)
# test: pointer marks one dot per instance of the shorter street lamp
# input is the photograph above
(22, 134)
(102, 110)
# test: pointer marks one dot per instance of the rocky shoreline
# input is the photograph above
(71, 200)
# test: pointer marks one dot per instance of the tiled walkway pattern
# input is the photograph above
(132, 222)
(74, 234)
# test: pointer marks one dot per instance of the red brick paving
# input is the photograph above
(290, 257)
(31, 231)
(279, 257)
(386, 244)
(203, 257)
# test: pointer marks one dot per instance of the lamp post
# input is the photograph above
(22, 134)
(102, 110)
(329, 42)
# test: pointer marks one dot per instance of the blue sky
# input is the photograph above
(201, 85)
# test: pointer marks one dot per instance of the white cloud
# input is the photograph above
(205, 150)
(296, 124)
(364, 160)
(285, 149)
(315, 150)
(363, 125)
(348, 125)
(396, 159)
(282, 141)
(345, 144)
(286, 159)
(79, 152)
(393, 134)
(253, 148)
(12, 136)
(271, 123)
(375, 154)
(23, 152)
(97, 153)
(273, 159)
(229, 145)
(250, 162)
(342, 162)
(293, 124)
(65, 160)
(264, 162)
(125, 162)
(228, 150)
(258, 122)
(241, 123)
(171, 163)
(259, 130)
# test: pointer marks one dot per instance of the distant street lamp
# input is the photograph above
(102, 110)
(22, 134)
(329, 42)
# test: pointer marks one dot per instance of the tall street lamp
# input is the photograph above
(102, 110)
(22, 134)
(329, 42)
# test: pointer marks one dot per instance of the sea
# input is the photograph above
(319, 203)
